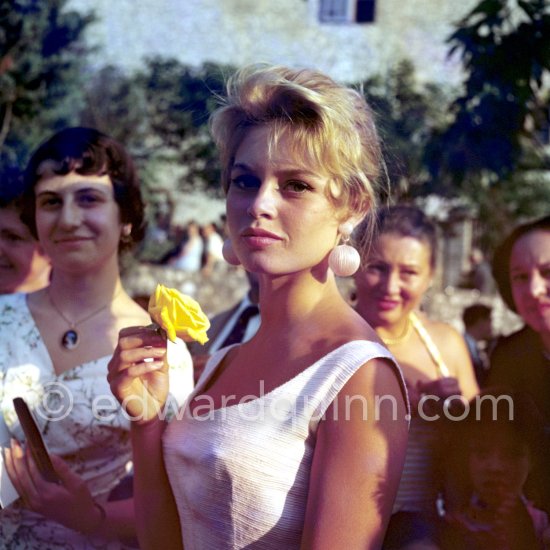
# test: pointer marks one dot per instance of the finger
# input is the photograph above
(123, 360)
(71, 481)
(142, 338)
(41, 484)
(135, 370)
(139, 355)
(10, 468)
(136, 329)
(25, 483)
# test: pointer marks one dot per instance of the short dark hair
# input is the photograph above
(11, 185)
(88, 151)
(408, 221)
(503, 253)
(474, 313)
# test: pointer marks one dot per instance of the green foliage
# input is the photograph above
(505, 50)
(41, 53)
(161, 114)
(405, 113)
(491, 153)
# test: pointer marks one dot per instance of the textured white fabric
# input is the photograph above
(240, 474)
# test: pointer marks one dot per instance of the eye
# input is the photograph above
(407, 273)
(376, 268)
(245, 182)
(48, 202)
(12, 237)
(297, 186)
(519, 277)
(88, 199)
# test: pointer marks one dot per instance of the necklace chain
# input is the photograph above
(402, 337)
(74, 324)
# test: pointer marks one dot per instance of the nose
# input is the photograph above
(69, 215)
(391, 283)
(264, 202)
(538, 285)
(496, 462)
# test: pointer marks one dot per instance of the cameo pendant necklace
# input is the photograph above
(70, 337)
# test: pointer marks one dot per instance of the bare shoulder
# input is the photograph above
(129, 313)
(443, 334)
(352, 326)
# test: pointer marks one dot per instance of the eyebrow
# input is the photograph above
(101, 189)
(287, 172)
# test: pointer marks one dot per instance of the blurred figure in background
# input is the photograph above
(189, 256)
(491, 452)
(478, 333)
(233, 326)
(433, 356)
(24, 267)
(521, 267)
(480, 277)
(213, 244)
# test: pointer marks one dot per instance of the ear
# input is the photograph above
(126, 229)
(351, 221)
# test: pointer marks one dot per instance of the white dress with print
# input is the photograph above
(79, 419)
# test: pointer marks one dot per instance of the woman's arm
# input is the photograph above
(138, 376)
(357, 463)
(157, 521)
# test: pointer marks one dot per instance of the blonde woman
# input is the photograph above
(282, 444)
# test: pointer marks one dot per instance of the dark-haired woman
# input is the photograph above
(521, 268)
(84, 205)
(433, 355)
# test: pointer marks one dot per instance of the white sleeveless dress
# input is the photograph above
(240, 474)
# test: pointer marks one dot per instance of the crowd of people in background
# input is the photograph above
(472, 471)
(198, 248)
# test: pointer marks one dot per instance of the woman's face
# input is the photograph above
(23, 265)
(77, 220)
(530, 279)
(394, 279)
(278, 213)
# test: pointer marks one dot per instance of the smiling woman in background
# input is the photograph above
(23, 265)
(433, 355)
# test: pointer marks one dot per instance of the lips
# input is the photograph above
(386, 304)
(257, 238)
(71, 240)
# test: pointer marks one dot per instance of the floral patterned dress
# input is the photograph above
(79, 418)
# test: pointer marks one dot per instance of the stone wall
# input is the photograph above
(227, 285)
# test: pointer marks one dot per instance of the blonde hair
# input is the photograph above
(332, 127)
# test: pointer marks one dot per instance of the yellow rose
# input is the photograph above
(178, 314)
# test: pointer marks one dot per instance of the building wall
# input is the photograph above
(237, 32)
